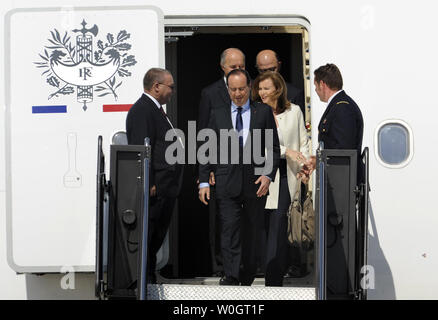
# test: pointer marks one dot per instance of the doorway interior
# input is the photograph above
(192, 55)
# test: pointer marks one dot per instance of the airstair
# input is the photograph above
(123, 275)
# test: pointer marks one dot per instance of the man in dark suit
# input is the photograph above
(231, 58)
(267, 60)
(216, 95)
(240, 188)
(147, 118)
(341, 125)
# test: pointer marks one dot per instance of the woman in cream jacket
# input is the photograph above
(270, 88)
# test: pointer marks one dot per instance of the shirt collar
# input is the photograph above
(153, 99)
(331, 98)
(245, 106)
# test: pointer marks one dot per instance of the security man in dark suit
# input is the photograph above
(240, 189)
(216, 95)
(147, 118)
(267, 60)
(341, 125)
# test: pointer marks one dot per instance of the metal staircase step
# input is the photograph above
(215, 292)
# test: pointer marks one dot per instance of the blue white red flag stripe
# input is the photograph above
(116, 107)
(49, 109)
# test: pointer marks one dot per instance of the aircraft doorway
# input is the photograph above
(192, 55)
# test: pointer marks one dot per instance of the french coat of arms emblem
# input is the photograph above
(77, 67)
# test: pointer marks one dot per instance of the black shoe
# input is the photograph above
(228, 281)
(297, 272)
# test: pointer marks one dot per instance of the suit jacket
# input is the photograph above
(294, 136)
(341, 125)
(144, 119)
(233, 180)
(214, 96)
(296, 96)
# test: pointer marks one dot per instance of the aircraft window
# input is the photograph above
(394, 143)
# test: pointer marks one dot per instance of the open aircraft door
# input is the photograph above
(72, 73)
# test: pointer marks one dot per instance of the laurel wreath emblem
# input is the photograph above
(61, 51)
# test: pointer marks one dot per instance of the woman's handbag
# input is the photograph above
(301, 221)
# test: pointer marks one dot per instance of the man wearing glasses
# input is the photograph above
(267, 60)
(147, 118)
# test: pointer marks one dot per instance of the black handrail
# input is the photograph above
(142, 292)
(322, 237)
(362, 227)
(365, 155)
(100, 187)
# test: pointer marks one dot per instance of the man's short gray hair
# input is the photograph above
(225, 53)
(154, 75)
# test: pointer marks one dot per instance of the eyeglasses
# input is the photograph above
(171, 87)
(267, 69)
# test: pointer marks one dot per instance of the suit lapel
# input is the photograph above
(224, 118)
(223, 92)
(324, 115)
(155, 109)
(329, 108)
(252, 120)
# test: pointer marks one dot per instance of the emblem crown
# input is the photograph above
(69, 66)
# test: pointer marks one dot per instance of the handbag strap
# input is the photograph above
(298, 191)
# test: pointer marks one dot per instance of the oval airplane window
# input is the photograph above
(394, 143)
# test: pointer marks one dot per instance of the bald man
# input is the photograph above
(147, 118)
(267, 60)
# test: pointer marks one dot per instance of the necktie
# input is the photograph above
(162, 111)
(165, 115)
(239, 125)
(168, 120)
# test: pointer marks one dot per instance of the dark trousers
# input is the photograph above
(160, 213)
(276, 228)
(239, 219)
(214, 233)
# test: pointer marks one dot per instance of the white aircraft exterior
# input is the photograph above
(386, 51)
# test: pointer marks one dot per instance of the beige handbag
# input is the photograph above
(301, 220)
